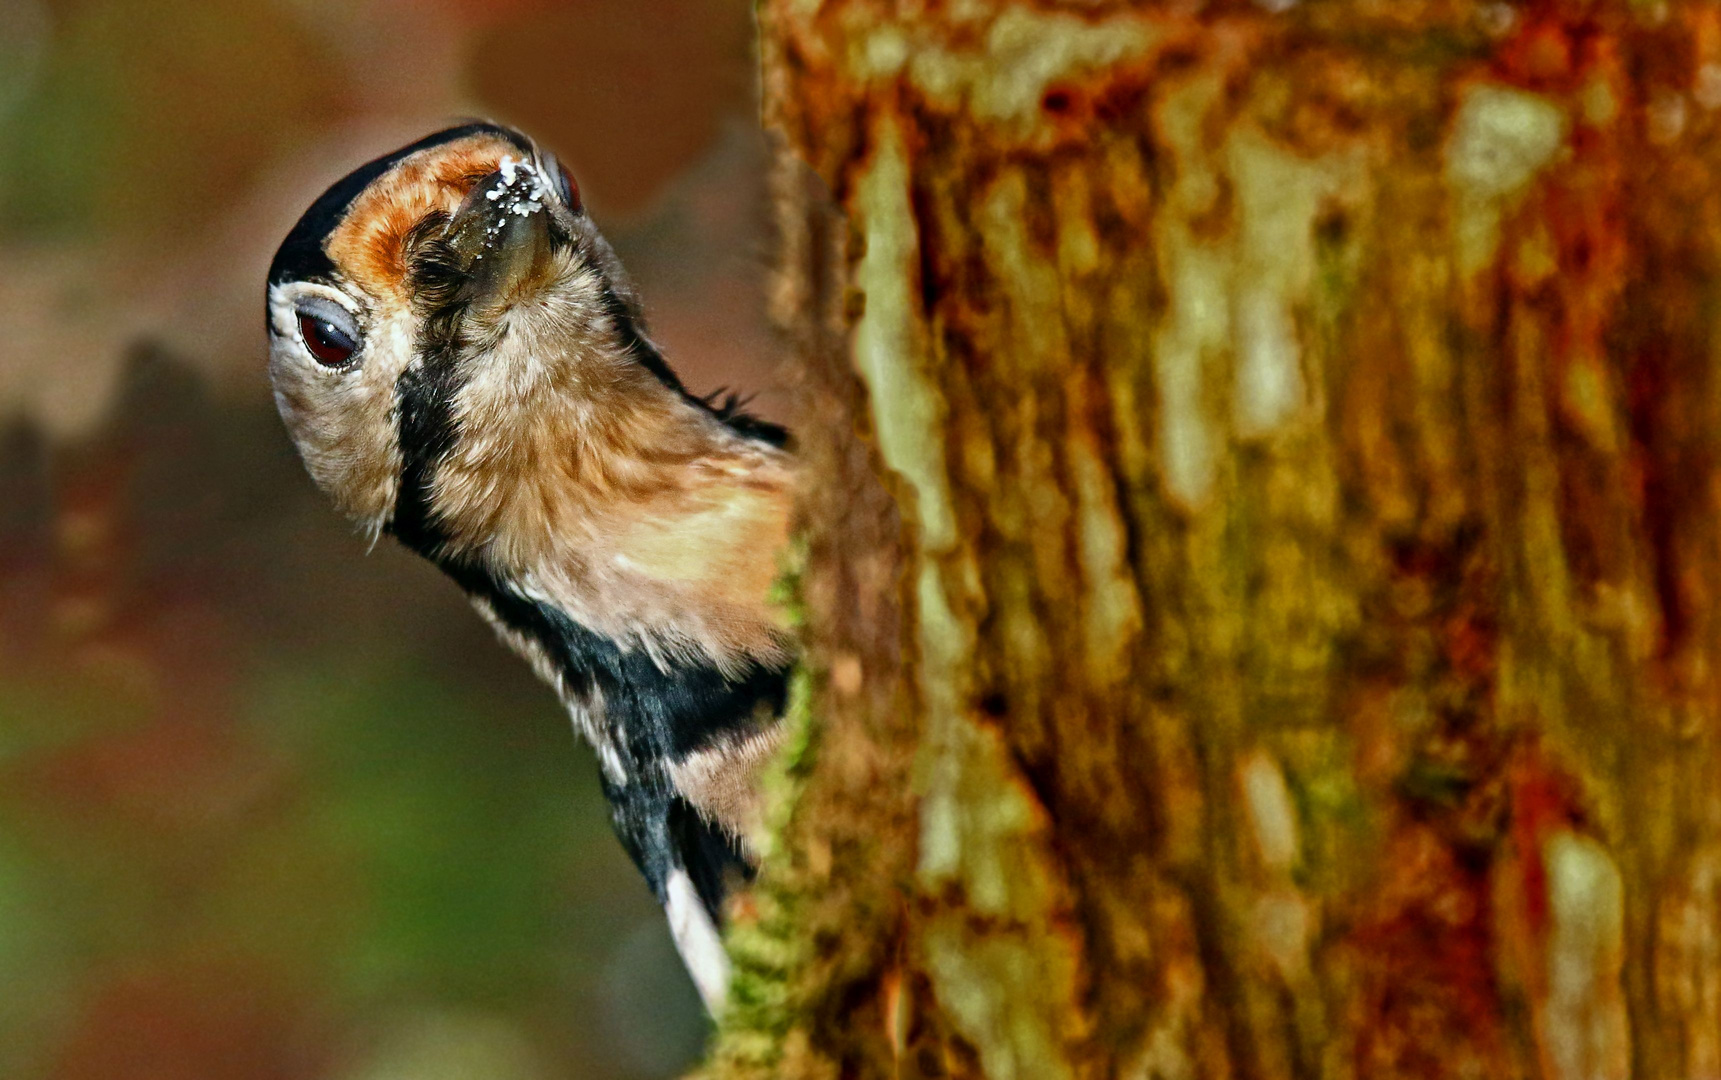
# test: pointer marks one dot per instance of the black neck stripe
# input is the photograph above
(656, 717)
(639, 348)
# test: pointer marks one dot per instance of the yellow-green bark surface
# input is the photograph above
(1263, 558)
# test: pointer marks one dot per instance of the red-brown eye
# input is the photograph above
(565, 186)
(331, 345)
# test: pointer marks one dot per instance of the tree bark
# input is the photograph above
(1261, 578)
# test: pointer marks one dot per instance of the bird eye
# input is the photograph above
(565, 186)
(329, 334)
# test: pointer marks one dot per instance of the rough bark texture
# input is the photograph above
(1263, 573)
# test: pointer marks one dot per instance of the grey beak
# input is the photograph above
(504, 233)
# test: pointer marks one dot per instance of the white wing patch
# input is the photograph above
(697, 940)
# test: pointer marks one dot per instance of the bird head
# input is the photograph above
(438, 303)
(462, 364)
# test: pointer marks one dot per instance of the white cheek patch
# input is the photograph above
(342, 419)
(697, 940)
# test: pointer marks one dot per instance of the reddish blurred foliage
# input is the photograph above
(630, 93)
(190, 1019)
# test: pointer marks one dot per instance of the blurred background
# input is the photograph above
(272, 806)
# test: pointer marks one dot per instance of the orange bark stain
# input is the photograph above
(1429, 1005)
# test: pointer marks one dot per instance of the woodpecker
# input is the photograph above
(464, 366)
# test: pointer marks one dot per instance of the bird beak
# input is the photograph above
(505, 232)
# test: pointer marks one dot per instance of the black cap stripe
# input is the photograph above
(301, 256)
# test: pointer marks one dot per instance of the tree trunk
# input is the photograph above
(1262, 579)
